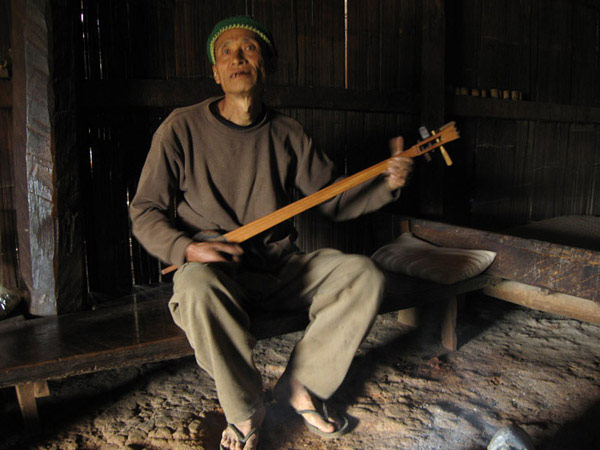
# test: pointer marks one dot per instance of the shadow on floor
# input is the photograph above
(581, 434)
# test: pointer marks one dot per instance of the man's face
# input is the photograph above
(240, 66)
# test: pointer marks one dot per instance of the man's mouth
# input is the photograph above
(239, 74)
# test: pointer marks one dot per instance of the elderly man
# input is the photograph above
(225, 162)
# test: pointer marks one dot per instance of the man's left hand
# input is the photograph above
(400, 167)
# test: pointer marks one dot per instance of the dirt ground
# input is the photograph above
(403, 391)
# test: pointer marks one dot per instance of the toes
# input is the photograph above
(229, 443)
(252, 443)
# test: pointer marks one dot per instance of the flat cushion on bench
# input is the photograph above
(409, 255)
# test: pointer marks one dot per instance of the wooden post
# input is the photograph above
(27, 403)
(45, 158)
(408, 317)
(432, 102)
(26, 395)
(449, 339)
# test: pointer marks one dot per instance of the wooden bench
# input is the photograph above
(541, 275)
(552, 265)
(142, 331)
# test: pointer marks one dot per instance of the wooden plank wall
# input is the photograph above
(525, 170)
(165, 39)
(8, 228)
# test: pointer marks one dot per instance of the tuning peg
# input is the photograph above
(424, 132)
(446, 156)
(444, 153)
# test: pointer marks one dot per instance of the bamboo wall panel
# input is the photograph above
(495, 164)
(383, 44)
(553, 51)
(464, 39)
(549, 160)
(545, 49)
(280, 18)
(320, 43)
(116, 155)
(505, 39)
(528, 170)
(145, 268)
(585, 88)
(504, 175)
(582, 171)
(5, 25)
(8, 225)
(106, 241)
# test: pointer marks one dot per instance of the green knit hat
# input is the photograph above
(246, 22)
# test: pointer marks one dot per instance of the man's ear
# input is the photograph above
(216, 74)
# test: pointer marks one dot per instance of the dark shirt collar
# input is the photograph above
(214, 109)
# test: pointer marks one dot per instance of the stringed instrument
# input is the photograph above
(437, 139)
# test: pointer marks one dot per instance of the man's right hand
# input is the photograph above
(212, 252)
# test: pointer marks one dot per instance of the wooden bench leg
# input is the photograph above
(408, 317)
(41, 389)
(449, 339)
(26, 395)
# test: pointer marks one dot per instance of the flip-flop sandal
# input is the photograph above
(240, 436)
(341, 430)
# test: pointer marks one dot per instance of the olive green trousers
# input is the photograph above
(341, 294)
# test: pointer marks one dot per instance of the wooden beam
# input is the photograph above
(33, 158)
(44, 148)
(175, 93)
(467, 106)
(183, 92)
(552, 302)
(558, 268)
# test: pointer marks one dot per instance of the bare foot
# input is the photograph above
(230, 439)
(290, 390)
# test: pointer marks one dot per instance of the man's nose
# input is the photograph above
(238, 55)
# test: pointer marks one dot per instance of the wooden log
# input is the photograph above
(559, 268)
(543, 300)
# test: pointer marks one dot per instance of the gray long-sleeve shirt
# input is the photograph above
(219, 178)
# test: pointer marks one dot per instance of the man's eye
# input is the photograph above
(250, 47)
(226, 51)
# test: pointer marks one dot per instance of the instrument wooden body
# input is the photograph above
(445, 134)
